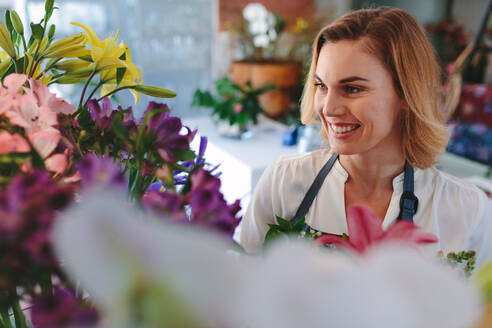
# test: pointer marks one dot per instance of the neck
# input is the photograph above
(369, 171)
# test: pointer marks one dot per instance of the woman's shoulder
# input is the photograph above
(454, 191)
(444, 180)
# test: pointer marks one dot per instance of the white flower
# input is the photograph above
(118, 254)
(389, 287)
(258, 27)
(261, 41)
(272, 34)
(254, 12)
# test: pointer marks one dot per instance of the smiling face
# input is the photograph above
(356, 100)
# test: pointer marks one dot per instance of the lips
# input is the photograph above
(341, 128)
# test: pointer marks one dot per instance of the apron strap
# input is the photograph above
(409, 203)
(313, 190)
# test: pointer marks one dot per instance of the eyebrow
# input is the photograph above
(345, 80)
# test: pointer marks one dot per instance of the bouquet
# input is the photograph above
(54, 154)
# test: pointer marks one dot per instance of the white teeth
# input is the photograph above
(343, 129)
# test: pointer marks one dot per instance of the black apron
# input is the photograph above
(408, 201)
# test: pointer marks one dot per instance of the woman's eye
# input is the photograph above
(320, 86)
(351, 89)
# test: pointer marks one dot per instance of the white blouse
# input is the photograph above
(457, 212)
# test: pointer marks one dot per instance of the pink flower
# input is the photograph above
(237, 108)
(36, 111)
(47, 99)
(365, 229)
(12, 143)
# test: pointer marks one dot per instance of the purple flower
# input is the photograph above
(101, 115)
(166, 203)
(62, 309)
(27, 212)
(101, 172)
(166, 130)
(208, 206)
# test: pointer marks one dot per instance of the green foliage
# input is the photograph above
(468, 258)
(232, 103)
(283, 229)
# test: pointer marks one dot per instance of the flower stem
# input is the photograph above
(35, 55)
(48, 68)
(93, 92)
(114, 91)
(85, 88)
(25, 53)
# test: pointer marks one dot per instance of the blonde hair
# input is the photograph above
(396, 38)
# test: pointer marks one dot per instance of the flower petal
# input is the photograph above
(364, 228)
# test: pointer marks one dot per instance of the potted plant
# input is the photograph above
(273, 51)
(234, 106)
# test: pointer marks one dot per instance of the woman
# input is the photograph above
(374, 84)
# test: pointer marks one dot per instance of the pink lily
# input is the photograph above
(365, 229)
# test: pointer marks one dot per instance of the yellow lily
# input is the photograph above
(105, 54)
(5, 42)
(132, 76)
(66, 46)
(4, 62)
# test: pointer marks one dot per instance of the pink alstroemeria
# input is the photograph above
(12, 143)
(36, 109)
(365, 229)
(47, 99)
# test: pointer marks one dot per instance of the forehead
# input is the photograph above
(345, 58)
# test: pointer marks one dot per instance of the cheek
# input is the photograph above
(318, 103)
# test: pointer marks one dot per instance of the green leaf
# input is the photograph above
(203, 99)
(284, 224)
(183, 154)
(118, 127)
(298, 226)
(120, 72)
(37, 160)
(8, 21)
(84, 118)
(226, 88)
(31, 40)
(37, 31)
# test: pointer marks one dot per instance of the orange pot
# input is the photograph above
(285, 75)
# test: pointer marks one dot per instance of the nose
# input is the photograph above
(332, 104)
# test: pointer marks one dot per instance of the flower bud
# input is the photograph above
(5, 41)
(61, 45)
(72, 64)
(16, 22)
(154, 91)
